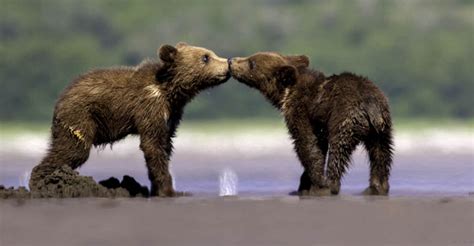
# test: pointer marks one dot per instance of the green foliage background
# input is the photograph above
(420, 52)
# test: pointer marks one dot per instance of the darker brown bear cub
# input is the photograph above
(324, 115)
(106, 105)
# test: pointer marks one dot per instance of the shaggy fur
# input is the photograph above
(104, 106)
(325, 116)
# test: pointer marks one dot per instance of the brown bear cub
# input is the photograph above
(104, 106)
(324, 115)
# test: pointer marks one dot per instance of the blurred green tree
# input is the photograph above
(421, 53)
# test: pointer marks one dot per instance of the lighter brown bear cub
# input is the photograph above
(104, 106)
(324, 115)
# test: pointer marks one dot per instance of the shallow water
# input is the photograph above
(278, 174)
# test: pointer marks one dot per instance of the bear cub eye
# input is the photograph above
(205, 58)
(251, 64)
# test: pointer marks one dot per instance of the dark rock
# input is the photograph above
(110, 183)
(133, 187)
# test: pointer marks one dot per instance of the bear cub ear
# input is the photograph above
(300, 61)
(286, 75)
(167, 53)
(181, 44)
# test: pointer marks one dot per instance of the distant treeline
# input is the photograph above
(420, 52)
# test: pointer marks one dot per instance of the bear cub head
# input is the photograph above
(190, 68)
(268, 72)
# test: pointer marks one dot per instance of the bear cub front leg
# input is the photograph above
(313, 181)
(157, 161)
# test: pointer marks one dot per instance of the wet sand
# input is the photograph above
(344, 220)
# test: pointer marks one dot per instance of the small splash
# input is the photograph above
(173, 180)
(228, 183)
(24, 179)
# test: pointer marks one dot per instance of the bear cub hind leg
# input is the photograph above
(64, 139)
(341, 146)
(379, 149)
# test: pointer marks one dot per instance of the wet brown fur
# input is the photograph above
(326, 116)
(105, 105)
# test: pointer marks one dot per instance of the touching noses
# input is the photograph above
(229, 61)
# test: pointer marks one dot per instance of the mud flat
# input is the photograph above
(344, 220)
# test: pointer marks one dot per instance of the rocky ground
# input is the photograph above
(67, 183)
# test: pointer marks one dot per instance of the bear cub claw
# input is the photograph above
(375, 191)
(170, 193)
(307, 188)
(335, 186)
(315, 191)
